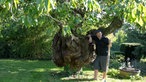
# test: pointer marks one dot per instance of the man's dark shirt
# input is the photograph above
(101, 45)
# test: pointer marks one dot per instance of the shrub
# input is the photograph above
(113, 73)
(114, 64)
(25, 43)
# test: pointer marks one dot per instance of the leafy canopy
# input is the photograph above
(88, 13)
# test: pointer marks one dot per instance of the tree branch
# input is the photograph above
(115, 24)
(60, 24)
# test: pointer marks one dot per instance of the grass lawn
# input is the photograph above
(12, 70)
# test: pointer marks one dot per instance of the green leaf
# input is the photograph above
(2, 1)
(8, 5)
(140, 7)
(90, 5)
(22, 19)
(97, 6)
(139, 21)
(48, 5)
(133, 13)
(16, 2)
(38, 1)
(25, 21)
(74, 3)
(144, 11)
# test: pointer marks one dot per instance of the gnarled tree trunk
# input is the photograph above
(71, 50)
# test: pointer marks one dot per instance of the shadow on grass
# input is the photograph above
(63, 76)
(76, 80)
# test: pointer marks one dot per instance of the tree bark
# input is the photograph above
(115, 25)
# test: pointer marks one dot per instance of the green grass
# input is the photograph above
(12, 70)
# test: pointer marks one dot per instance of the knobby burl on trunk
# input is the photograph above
(72, 50)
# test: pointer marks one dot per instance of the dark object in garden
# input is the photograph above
(127, 72)
(74, 51)
(128, 49)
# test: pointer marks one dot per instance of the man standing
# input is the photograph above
(102, 51)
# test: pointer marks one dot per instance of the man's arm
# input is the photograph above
(90, 38)
(109, 46)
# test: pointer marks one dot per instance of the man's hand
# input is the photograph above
(110, 44)
(90, 38)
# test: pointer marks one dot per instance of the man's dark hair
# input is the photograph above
(97, 31)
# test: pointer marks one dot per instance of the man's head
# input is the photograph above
(98, 34)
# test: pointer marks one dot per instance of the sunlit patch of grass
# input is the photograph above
(39, 70)
(56, 69)
(32, 61)
(13, 72)
(21, 69)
